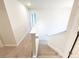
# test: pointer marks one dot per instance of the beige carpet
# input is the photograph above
(24, 50)
(46, 52)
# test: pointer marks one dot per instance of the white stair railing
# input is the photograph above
(35, 47)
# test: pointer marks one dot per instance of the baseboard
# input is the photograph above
(57, 50)
(10, 45)
(17, 43)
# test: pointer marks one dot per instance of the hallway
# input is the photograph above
(26, 24)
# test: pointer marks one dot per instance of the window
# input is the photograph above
(33, 18)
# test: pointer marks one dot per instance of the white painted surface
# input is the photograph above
(6, 32)
(53, 15)
(19, 18)
(35, 53)
(52, 21)
(37, 46)
(57, 42)
(73, 26)
(46, 4)
(63, 43)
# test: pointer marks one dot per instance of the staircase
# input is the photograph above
(41, 49)
(45, 51)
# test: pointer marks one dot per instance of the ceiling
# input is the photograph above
(39, 4)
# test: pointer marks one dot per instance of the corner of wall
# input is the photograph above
(58, 51)
(22, 38)
(11, 45)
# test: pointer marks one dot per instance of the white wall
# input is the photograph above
(6, 32)
(57, 42)
(19, 18)
(62, 43)
(52, 21)
(73, 26)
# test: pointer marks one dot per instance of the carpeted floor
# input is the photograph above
(24, 50)
(46, 52)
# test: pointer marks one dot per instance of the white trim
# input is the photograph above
(17, 43)
(35, 49)
(10, 45)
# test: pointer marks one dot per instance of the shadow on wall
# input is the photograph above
(1, 42)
